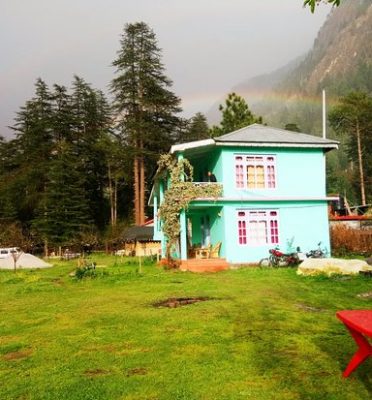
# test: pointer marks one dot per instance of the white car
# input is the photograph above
(8, 251)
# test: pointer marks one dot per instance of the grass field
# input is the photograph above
(263, 334)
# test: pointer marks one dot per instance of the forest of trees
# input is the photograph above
(79, 167)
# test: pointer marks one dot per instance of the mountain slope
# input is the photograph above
(342, 48)
(339, 61)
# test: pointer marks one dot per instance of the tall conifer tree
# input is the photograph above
(63, 212)
(33, 146)
(91, 121)
(146, 109)
(353, 116)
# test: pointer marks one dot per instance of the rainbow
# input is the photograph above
(199, 101)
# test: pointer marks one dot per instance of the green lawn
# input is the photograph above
(265, 334)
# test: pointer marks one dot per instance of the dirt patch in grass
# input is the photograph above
(174, 302)
(95, 372)
(17, 355)
(137, 371)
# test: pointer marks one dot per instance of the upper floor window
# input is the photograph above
(255, 171)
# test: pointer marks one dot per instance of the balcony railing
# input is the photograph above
(209, 189)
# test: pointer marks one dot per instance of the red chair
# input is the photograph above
(359, 324)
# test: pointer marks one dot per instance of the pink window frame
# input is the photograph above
(241, 162)
(246, 217)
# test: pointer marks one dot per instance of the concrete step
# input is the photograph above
(204, 265)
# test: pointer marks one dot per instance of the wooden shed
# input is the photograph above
(138, 241)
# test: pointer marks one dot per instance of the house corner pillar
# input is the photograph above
(183, 235)
(156, 214)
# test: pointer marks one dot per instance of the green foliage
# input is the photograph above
(313, 3)
(27, 162)
(292, 127)
(86, 271)
(53, 174)
(235, 115)
(352, 117)
(63, 213)
(146, 108)
(92, 115)
(181, 191)
(358, 79)
(196, 129)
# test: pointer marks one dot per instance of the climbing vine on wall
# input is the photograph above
(180, 192)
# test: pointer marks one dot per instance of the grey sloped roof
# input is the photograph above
(138, 233)
(261, 135)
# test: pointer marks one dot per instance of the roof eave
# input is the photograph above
(191, 145)
(327, 146)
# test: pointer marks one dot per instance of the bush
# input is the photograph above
(346, 240)
(86, 271)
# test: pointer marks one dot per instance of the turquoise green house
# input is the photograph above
(274, 194)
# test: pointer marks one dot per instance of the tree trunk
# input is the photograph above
(115, 201)
(360, 160)
(136, 192)
(110, 194)
(46, 249)
(142, 189)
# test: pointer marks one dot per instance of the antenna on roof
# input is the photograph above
(324, 114)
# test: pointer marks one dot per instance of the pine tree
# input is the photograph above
(353, 116)
(8, 194)
(196, 129)
(146, 109)
(63, 214)
(119, 169)
(58, 138)
(32, 150)
(235, 115)
(91, 122)
(292, 127)
(62, 118)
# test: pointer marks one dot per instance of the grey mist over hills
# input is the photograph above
(339, 61)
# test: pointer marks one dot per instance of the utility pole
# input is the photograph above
(324, 114)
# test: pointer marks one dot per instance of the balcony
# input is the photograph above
(208, 190)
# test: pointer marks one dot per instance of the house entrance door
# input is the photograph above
(205, 231)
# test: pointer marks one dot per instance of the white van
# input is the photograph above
(8, 251)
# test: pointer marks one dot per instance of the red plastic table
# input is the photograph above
(359, 324)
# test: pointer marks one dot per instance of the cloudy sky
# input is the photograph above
(208, 45)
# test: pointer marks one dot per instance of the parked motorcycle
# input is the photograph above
(280, 259)
(317, 253)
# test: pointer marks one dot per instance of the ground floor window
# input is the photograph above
(258, 227)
